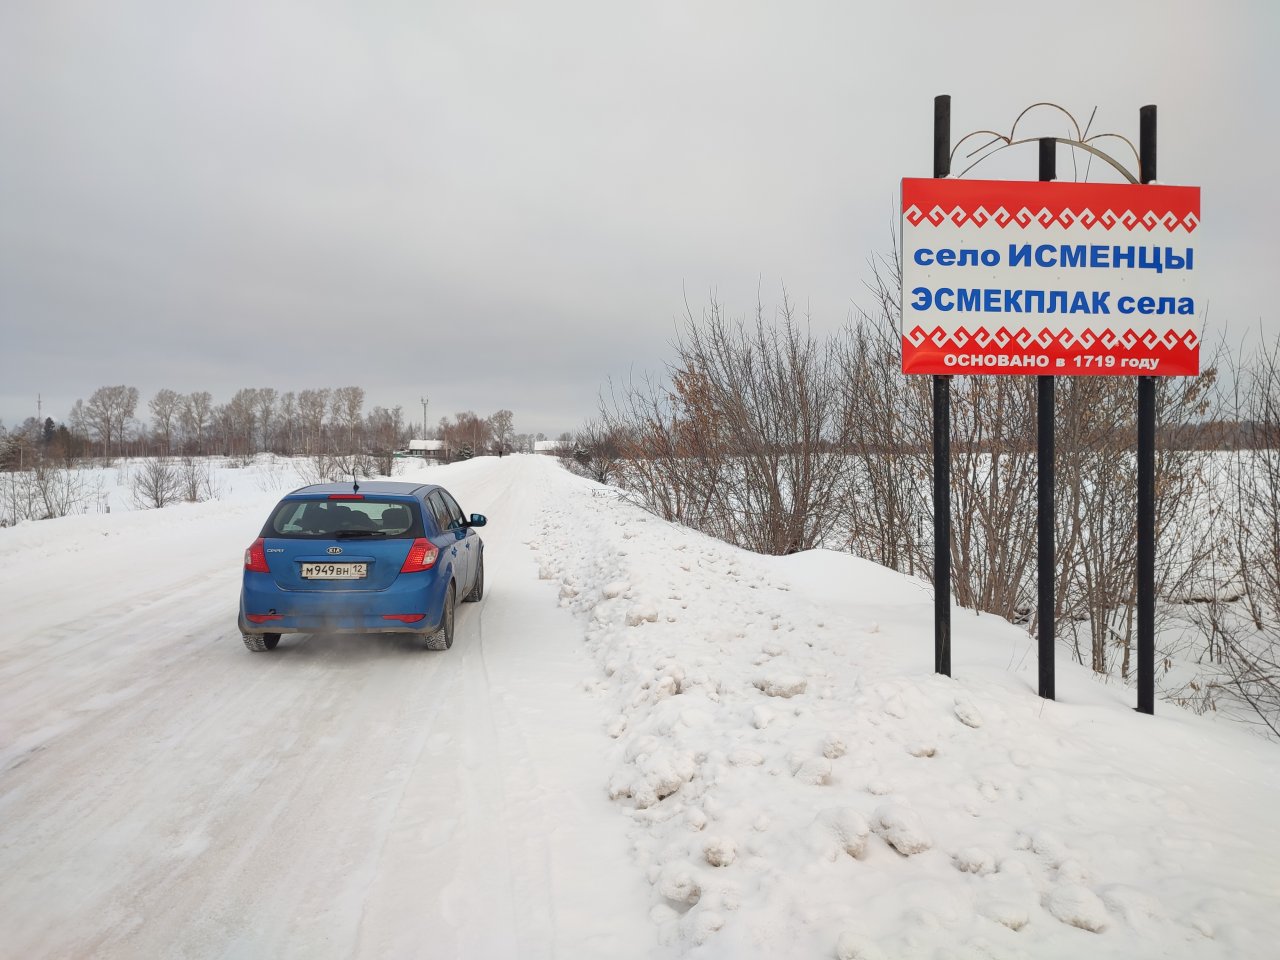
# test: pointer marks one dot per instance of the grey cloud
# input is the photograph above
(515, 199)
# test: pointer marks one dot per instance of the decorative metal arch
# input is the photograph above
(1082, 141)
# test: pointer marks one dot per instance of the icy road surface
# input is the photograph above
(165, 793)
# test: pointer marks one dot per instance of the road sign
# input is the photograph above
(1016, 277)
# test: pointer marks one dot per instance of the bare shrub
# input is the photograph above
(18, 501)
(740, 442)
(1239, 615)
(1097, 508)
(888, 436)
(333, 468)
(45, 492)
(993, 475)
(156, 484)
(271, 475)
(597, 451)
(195, 480)
(993, 494)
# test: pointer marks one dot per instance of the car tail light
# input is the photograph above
(255, 558)
(262, 617)
(422, 556)
(405, 617)
(346, 496)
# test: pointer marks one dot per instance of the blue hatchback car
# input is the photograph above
(377, 557)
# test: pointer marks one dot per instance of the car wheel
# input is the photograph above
(442, 639)
(477, 588)
(260, 643)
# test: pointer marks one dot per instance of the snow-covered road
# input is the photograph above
(644, 744)
(165, 793)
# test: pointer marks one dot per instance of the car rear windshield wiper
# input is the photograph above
(344, 534)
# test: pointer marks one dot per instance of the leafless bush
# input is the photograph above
(597, 452)
(993, 474)
(747, 441)
(333, 468)
(195, 480)
(663, 461)
(156, 484)
(45, 492)
(1239, 615)
(271, 475)
(1097, 509)
(888, 437)
(993, 494)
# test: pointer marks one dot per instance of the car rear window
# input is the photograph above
(312, 519)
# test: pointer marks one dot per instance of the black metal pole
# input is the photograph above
(942, 442)
(1046, 607)
(1147, 476)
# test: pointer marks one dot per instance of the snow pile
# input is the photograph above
(801, 784)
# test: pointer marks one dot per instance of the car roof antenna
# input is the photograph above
(355, 484)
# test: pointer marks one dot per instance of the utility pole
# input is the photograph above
(424, 417)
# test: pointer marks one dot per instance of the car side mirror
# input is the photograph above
(477, 520)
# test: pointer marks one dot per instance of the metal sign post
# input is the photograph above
(1046, 608)
(942, 442)
(1147, 475)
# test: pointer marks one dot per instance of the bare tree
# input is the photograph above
(78, 423)
(108, 413)
(240, 416)
(312, 406)
(165, 407)
(265, 409)
(196, 418)
(466, 434)
(501, 425)
(385, 433)
(286, 434)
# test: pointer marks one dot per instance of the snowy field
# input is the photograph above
(644, 743)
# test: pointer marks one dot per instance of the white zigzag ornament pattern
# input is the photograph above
(1044, 217)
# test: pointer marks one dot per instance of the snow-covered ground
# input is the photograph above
(644, 743)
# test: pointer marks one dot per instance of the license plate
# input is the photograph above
(335, 571)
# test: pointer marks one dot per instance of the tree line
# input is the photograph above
(314, 422)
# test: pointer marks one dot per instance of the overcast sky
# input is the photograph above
(504, 205)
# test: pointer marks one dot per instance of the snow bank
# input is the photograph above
(801, 784)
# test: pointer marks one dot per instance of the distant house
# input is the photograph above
(553, 447)
(430, 449)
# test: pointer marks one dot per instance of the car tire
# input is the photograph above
(442, 639)
(477, 588)
(260, 643)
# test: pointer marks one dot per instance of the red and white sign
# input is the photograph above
(1016, 277)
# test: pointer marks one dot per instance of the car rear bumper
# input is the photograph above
(342, 611)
